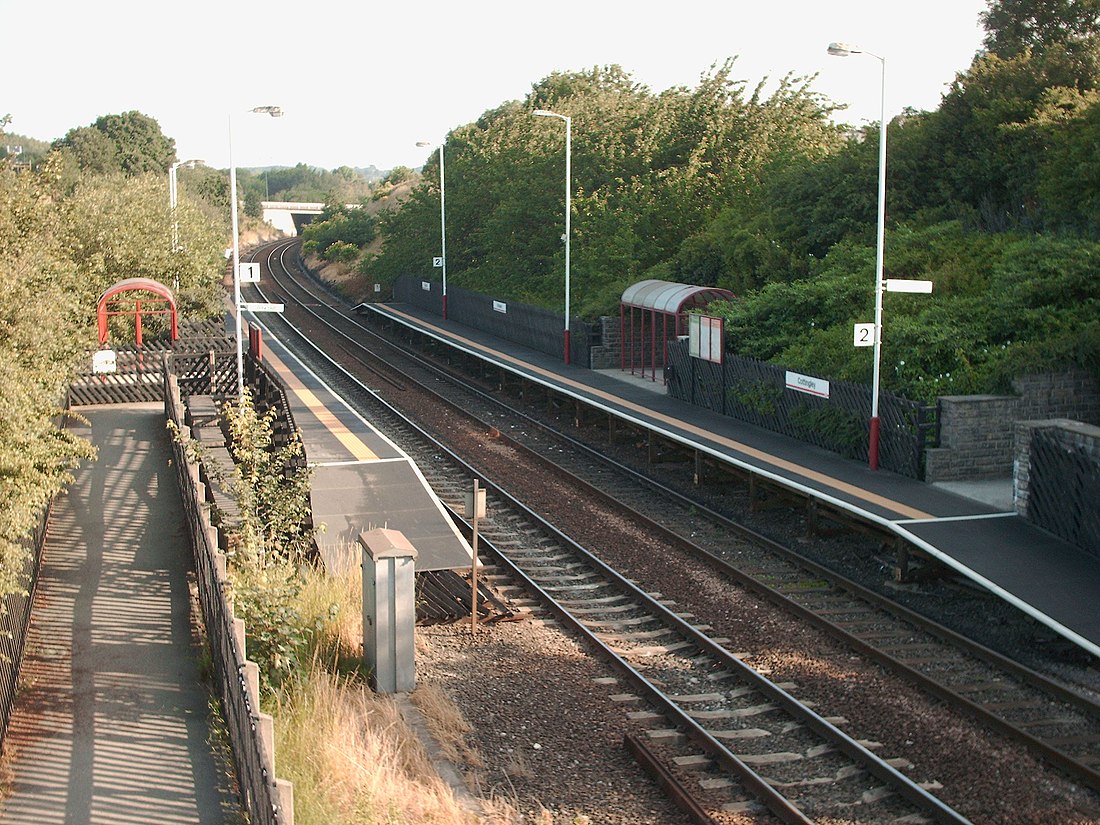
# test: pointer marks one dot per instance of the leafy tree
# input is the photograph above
(1064, 32)
(648, 172)
(131, 143)
(43, 332)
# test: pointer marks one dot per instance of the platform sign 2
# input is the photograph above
(706, 338)
(864, 335)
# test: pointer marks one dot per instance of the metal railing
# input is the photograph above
(15, 614)
(267, 800)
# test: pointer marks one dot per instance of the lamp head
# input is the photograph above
(274, 111)
(842, 49)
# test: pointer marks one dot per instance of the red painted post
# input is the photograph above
(872, 450)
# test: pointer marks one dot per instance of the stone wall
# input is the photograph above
(607, 354)
(1030, 480)
(977, 431)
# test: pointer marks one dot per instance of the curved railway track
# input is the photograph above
(1057, 723)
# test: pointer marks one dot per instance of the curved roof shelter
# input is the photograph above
(652, 311)
(162, 292)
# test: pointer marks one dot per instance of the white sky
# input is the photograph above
(362, 82)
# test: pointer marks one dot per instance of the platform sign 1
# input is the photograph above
(706, 338)
(864, 335)
(250, 273)
(807, 384)
(104, 361)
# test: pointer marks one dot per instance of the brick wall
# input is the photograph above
(977, 431)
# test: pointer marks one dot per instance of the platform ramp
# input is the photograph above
(361, 479)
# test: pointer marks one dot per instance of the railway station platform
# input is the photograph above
(361, 479)
(112, 723)
(1049, 579)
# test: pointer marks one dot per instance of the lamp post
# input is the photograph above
(173, 193)
(568, 211)
(442, 219)
(274, 111)
(843, 50)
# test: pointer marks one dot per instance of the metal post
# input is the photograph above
(473, 566)
(443, 223)
(873, 446)
(568, 213)
(236, 268)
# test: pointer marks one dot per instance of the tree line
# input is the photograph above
(994, 196)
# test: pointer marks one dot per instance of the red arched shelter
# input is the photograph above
(651, 312)
(163, 296)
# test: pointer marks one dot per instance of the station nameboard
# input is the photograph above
(807, 384)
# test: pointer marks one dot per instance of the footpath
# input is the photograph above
(113, 722)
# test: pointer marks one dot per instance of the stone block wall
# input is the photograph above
(977, 431)
(1075, 492)
(607, 354)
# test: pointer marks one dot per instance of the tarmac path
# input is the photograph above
(112, 724)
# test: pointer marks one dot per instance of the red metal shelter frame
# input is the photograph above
(164, 296)
(662, 304)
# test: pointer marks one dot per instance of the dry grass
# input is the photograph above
(447, 725)
(333, 607)
(353, 760)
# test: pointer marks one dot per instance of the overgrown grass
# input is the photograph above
(352, 759)
(348, 751)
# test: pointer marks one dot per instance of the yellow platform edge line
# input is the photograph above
(349, 440)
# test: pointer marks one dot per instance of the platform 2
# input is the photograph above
(1051, 580)
(361, 479)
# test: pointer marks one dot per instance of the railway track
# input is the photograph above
(1055, 722)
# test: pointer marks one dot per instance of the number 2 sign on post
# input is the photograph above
(864, 335)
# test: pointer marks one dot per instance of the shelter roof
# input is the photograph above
(672, 298)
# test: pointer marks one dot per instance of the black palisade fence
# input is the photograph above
(756, 392)
(1064, 490)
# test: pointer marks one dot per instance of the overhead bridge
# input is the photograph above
(290, 217)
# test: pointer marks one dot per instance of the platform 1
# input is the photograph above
(361, 479)
(1049, 579)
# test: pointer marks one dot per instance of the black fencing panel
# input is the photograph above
(756, 392)
(534, 327)
(15, 615)
(1063, 489)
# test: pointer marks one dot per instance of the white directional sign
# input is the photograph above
(904, 285)
(250, 273)
(250, 307)
(104, 361)
(864, 335)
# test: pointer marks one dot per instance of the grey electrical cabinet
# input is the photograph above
(389, 609)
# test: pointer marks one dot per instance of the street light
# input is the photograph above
(568, 210)
(274, 111)
(172, 197)
(843, 50)
(442, 219)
